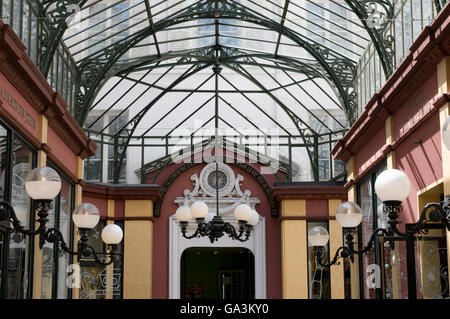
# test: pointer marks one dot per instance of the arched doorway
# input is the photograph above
(217, 273)
(229, 197)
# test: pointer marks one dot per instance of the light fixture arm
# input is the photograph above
(349, 237)
(42, 207)
(440, 214)
(53, 235)
(341, 252)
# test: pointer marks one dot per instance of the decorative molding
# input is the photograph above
(429, 48)
(18, 68)
(246, 167)
(308, 218)
(309, 191)
(229, 197)
(124, 192)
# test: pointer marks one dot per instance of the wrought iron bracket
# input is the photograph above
(216, 229)
(376, 17)
(53, 235)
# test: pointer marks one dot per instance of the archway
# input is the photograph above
(217, 273)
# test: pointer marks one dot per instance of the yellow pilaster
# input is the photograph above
(41, 161)
(336, 241)
(294, 250)
(77, 201)
(390, 138)
(138, 250)
(354, 267)
(444, 87)
(110, 268)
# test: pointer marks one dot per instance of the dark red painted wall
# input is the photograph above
(61, 151)
(317, 208)
(102, 204)
(161, 233)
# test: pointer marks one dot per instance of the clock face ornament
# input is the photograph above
(217, 179)
(225, 179)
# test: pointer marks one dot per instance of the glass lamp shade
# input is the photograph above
(43, 183)
(199, 209)
(349, 215)
(318, 236)
(112, 234)
(86, 215)
(183, 214)
(243, 212)
(446, 133)
(392, 185)
(254, 220)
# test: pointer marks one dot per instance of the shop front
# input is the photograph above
(401, 129)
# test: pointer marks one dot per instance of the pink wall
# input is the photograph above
(161, 234)
(421, 162)
(61, 151)
(371, 151)
(18, 107)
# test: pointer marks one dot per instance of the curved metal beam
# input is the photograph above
(376, 22)
(339, 70)
(138, 118)
(55, 13)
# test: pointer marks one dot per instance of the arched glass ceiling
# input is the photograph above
(328, 22)
(144, 67)
(329, 32)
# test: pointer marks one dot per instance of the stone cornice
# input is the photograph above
(18, 68)
(122, 192)
(284, 191)
(429, 48)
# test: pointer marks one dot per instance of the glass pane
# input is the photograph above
(65, 208)
(395, 271)
(1, 259)
(3, 154)
(319, 277)
(367, 228)
(48, 261)
(92, 287)
(382, 218)
(432, 266)
(19, 246)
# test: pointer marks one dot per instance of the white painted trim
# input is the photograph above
(256, 244)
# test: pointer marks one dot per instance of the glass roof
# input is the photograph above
(288, 50)
(288, 68)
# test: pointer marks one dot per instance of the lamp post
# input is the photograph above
(43, 185)
(392, 186)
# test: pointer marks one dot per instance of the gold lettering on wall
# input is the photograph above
(19, 109)
(417, 110)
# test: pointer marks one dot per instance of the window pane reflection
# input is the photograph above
(319, 277)
(19, 245)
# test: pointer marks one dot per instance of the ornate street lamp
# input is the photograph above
(43, 185)
(392, 186)
(209, 225)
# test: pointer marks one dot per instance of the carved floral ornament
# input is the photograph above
(230, 195)
(207, 203)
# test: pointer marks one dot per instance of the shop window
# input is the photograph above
(101, 166)
(17, 159)
(97, 281)
(373, 217)
(318, 276)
